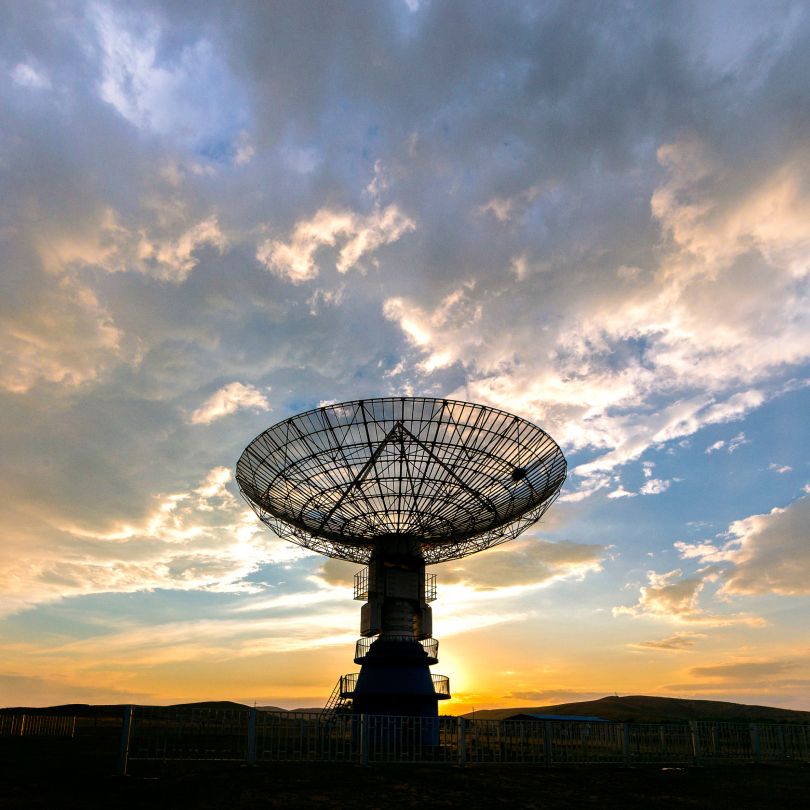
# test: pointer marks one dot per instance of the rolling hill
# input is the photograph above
(648, 709)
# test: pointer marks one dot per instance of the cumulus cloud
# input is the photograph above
(675, 597)
(229, 399)
(621, 492)
(654, 486)
(359, 235)
(765, 553)
(455, 310)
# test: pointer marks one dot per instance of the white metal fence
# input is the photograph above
(37, 725)
(255, 736)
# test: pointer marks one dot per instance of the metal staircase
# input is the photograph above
(338, 702)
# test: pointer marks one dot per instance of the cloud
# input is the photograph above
(765, 553)
(621, 492)
(66, 337)
(229, 399)
(551, 697)
(780, 468)
(525, 562)
(743, 670)
(360, 235)
(29, 76)
(191, 98)
(737, 441)
(718, 445)
(675, 597)
(422, 327)
(338, 572)
(678, 642)
(196, 540)
(655, 486)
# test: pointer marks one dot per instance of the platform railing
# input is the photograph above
(430, 646)
(361, 586)
(430, 587)
(441, 683)
(348, 683)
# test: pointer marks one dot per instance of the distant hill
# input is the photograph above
(115, 710)
(69, 709)
(647, 709)
(630, 709)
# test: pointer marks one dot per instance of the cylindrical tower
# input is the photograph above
(398, 484)
(395, 676)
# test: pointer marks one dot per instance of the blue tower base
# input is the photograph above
(395, 680)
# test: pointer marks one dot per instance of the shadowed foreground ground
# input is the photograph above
(39, 784)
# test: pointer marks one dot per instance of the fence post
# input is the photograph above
(693, 732)
(547, 743)
(756, 749)
(126, 731)
(780, 733)
(251, 737)
(626, 743)
(364, 739)
(462, 741)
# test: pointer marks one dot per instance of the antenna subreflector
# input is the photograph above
(398, 483)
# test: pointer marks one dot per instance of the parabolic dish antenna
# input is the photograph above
(459, 477)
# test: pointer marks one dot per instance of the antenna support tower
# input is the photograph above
(396, 484)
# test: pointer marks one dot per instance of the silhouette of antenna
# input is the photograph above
(397, 484)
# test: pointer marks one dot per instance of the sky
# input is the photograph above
(591, 214)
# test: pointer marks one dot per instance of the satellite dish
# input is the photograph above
(398, 483)
(458, 476)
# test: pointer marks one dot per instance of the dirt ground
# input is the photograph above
(48, 776)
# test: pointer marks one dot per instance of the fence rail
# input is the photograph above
(255, 736)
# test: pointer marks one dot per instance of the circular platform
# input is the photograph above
(456, 476)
